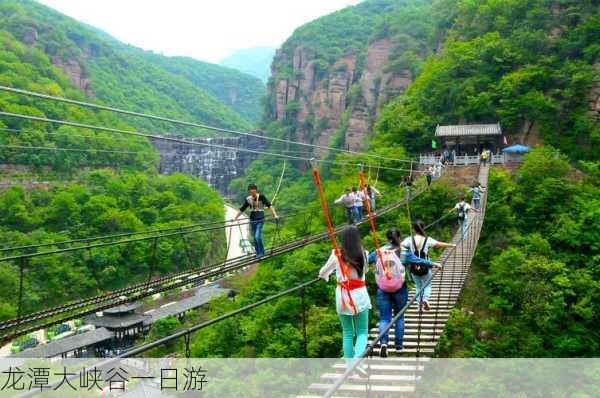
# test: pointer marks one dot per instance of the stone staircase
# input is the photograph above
(399, 373)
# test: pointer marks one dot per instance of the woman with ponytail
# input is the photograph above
(419, 244)
(392, 292)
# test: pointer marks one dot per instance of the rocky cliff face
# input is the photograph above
(76, 74)
(346, 95)
(214, 165)
(594, 95)
(71, 67)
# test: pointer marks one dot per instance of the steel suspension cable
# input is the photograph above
(104, 244)
(184, 123)
(179, 140)
(216, 270)
(124, 234)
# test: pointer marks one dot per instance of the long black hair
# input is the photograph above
(393, 236)
(419, 227)
(352, 249)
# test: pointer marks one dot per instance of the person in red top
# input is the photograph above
(257, 203)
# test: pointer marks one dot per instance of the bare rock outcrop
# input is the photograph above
(319, 100)
(76, 74)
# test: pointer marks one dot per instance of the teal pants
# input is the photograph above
(354, 325)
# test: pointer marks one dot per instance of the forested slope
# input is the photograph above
(100, 183)
(102, 202)
(125, 76)
(531, 66)
(534, 288)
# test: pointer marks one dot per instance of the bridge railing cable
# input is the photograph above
(156, 136)
(224, 223)
(188, 124)
(172, 281)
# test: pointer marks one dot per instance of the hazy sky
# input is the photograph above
(208, 30)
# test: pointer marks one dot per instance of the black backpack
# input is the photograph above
(461, 212)
(417, 269)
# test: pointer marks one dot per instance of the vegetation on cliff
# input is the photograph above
(526, 64)
(535, 286)
(529, 65)
(127, 77)
(102, 202)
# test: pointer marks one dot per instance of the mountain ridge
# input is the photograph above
(125, 76)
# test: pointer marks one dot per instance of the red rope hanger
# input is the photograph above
(344, 268)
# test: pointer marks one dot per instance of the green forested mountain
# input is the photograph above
(530, 65)
(29, 68)
(100, 183)
(535, 284)
(102, 202)
(254, 61)
(239, 91)
(346, 31)
(127, 77)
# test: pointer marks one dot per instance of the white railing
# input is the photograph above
(460, 160)
(498, 159)
(429, 159)
(465, 160)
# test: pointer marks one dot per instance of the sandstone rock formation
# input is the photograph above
(319, 100)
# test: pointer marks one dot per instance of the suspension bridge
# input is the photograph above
(396, 374)
(400, 372)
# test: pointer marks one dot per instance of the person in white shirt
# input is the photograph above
(463, 209)
(351, 295)
(359, 200)
(419, 244)
(347, 199)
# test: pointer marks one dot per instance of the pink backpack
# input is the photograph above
(389, 271)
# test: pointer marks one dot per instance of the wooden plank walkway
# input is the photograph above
(398, 374)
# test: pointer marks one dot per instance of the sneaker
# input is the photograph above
(360, 371)
(383, 351)
(426, 305)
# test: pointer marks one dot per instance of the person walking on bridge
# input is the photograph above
(351, 296)
(347, 199)
(257, 203)
(485, 155)
(463, 209)
(372, 194)
(477, 191)
(392, 292)
(419, 244)
(359, 202)
(429, 175)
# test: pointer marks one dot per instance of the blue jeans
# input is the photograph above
(389, 303)
(463, 225)
(257, 227)
(476, 203)
(419, 283)
(350, 215)
(358, 213)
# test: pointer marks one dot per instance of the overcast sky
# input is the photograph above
(207, 30)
